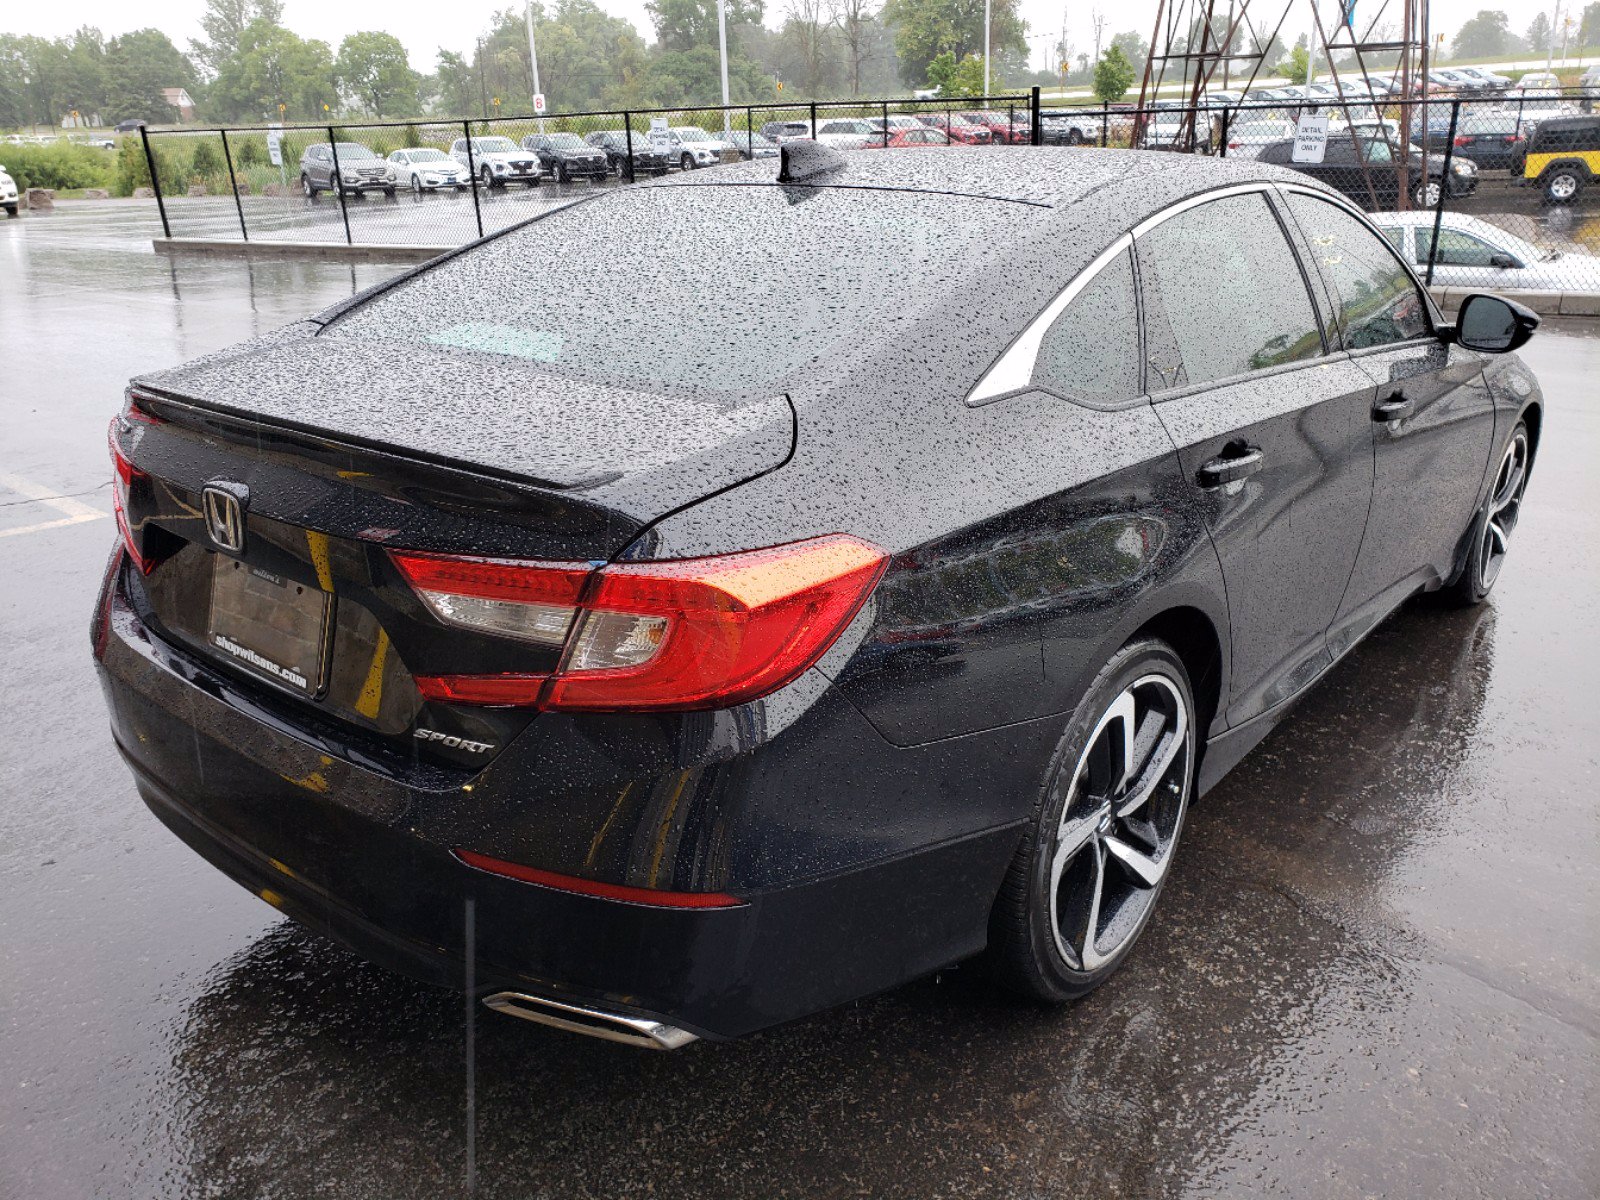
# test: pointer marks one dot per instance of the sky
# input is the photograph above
(420, 27)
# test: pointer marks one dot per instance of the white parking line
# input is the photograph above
(75, 511)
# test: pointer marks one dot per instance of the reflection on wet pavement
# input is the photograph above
(1373, 972)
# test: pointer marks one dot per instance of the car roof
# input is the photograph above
(1047, 176)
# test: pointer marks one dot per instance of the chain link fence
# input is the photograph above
(1496, 191)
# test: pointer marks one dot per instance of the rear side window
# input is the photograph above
(1456, 249)
(1227, 296)
(1091, 352)
(1375, 299)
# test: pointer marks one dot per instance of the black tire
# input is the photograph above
(1040, 910)
(416, 185)
(307, 188)
(1074, 137)
(1562, 185)
(686, 162)
(388, 193)
(1489, 536)
(11, 211)
(486, 177)
(561, 173)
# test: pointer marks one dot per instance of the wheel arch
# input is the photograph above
(1533, 417)
(1194, 637)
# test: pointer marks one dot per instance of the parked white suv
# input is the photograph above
(498, 161)
(689, 146)
(8, 193)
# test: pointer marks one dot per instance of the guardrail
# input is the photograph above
(440, 183)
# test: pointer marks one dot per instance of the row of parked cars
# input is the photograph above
(496, 162)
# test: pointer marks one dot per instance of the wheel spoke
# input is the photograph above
(1155, 770)
(1087, 954)
(1497, 537)
(1513, 485)
(1122, 713)
(1146, 871)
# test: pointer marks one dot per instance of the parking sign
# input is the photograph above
(538, 103)
(1310, 139)
(275, 144)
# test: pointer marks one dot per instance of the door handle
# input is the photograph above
(1229, 468)
(1396, 408)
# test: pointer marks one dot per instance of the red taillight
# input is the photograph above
(679, 635)
(1463, 139)
(124, 473)
(590, 887)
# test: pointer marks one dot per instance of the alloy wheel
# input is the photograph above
(1563, 186)
(1120, 822)
(1505, 504)
(1428, 197)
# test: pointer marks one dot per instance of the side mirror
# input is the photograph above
(1493, 324)
(1504, 261)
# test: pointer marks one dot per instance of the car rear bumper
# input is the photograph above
(366, 858)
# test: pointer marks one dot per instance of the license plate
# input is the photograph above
(272, 626)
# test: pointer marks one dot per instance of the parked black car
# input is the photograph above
(714, 687)
(1494, 141)
(1365, 169)
(353, 169)
(647, 159)
(567, 156)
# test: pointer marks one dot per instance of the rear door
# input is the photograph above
(1431, 415)
(1272, 430)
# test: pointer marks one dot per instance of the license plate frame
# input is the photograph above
(273, 627)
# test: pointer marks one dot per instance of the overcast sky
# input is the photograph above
(424, 29)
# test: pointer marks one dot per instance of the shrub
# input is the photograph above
(58, 165)
(206, 160)
(132, 169)
(251, 152)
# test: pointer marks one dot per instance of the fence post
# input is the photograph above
(338, 185)
(813, 120)
(1105, 124)
(1444, 184)
(1222, 144)
(1036, 124)
(627, 132)
(750, 131)
(472, 169)
(155, 183)
(885, 124)
(227, 157)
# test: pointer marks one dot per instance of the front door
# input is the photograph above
(1273, 432)
(1431, 416)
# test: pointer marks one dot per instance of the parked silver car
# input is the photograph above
(1475, 253)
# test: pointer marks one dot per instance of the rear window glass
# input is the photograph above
(603, 291)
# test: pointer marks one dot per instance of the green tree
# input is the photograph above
(1589, 25)
(1113, 75)
(224, 23)
(1538, 35)
(1486, 35)
(925, 29)
(274, 67)
(1134, 48)
(454, 85)
(138, 66)
(1296, 67)
(688, 24)
(372, 70)
(964, 78)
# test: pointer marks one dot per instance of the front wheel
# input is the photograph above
(486, 177)
(1562, 186)
(1427, 195)
(686, 162)
(308, 188)
(561, 173)
(416, 185)
(1490, 537)
(1074, 137)
(1086, 878)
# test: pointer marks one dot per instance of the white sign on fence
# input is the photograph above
(1310, 139)
(538, 99)
(275, 144)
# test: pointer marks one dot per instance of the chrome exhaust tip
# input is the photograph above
(591, 1022)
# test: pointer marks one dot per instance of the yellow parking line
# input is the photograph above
(56, 524)
(75, 511)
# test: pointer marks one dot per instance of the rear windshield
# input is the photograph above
(798, 275)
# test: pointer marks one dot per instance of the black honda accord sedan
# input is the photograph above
(736, 642)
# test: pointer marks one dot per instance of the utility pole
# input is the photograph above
(1550, 47)
(533, 55)
(722, 45)
(988, 22)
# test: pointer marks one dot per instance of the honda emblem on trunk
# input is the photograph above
(224, 505)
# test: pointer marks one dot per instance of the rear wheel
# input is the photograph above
(1074, 137)
(1105, 830)
(1562, 185)
(1496, 521)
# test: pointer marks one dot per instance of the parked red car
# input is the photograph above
(959, 129)
(1002, 126)
(910, 137)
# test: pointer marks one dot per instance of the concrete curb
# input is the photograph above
(1546, 304)
(314, 251)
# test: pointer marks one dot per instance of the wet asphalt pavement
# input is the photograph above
(1375, 971)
